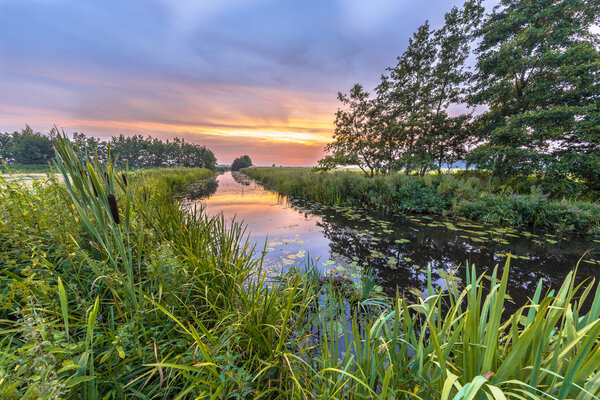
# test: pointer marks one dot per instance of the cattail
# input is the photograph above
(124, 178)
(114, 208)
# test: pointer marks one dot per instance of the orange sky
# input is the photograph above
(273, 126)
(256, 77)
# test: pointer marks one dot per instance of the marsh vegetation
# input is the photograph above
(463, 194)
(111, 289)
(119, 281)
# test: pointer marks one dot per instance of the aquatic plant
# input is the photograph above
(171, 304)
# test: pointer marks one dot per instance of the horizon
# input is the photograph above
(255, 77)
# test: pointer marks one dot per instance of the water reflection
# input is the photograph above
(398, 249)
(204, 189)
(399, 257)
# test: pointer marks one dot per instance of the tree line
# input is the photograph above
(531, 101)
(30, 147)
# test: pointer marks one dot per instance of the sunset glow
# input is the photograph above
(255, 77)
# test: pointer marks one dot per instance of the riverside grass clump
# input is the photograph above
(171, 304)
(466, 197)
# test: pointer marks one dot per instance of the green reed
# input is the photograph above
(172, 304)
(448, 194)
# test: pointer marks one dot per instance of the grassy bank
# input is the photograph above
(25, 168)
(465, 197)
(162, 303)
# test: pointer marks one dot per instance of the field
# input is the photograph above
(111, 290)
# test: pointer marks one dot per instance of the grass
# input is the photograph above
(167, 303)
(468, 197)
(25, 168)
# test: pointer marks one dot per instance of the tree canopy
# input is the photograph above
(407, 125)
(538, 72)
(29, 147)
(241, 162)
(535, 86)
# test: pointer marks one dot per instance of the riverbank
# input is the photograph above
(111, 289)
(446, 194)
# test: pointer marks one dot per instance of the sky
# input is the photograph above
(256, 77)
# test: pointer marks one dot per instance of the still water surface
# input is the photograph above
(397, 248)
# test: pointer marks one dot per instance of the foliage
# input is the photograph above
(356, 142)
(168, 303)
(466, 195)
(538, 68)
(139, 152)
(407, 125)
(29, 148)
(25, 168)
(26, 147)
(536, 87)
(241, 162)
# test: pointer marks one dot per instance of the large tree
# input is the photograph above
(356, 141)
(430, 76)
(539, 75)
(90, 145)
(407, 125)
(406, 96)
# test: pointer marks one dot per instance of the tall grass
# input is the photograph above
(170, 304)
(469, 197)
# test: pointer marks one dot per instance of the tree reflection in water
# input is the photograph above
(203, 189)
(447, 250)
(396, 248)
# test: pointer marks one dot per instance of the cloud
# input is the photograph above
(368, 16)
(260, 73)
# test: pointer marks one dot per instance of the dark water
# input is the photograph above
(343, 241)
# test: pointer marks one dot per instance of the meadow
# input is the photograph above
(462, 194)
(111, 290)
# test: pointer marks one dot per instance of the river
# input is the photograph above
(397, 248)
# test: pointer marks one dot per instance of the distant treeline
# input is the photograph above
(29, 147)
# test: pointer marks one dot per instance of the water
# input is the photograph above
(398, 248)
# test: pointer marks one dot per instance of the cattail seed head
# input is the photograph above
(124, 178)
(114, 208)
